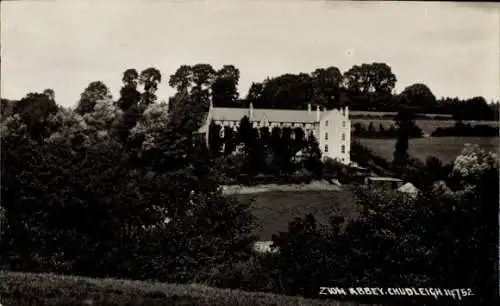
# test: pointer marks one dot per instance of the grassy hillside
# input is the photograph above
(427, 126)
(275, 209)
(444, 148)
(22, 289)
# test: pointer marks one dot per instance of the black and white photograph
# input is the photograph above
(239, 152)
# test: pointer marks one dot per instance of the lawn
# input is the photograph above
(444, 148)
(275, 209)
(23, 289)
(427, 126)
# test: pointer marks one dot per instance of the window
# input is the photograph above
(343, 111)
(326, 148)
(343, 136)
(342, 149)
(303, 125)
(326, 123)
(326, 136)
(343, 124)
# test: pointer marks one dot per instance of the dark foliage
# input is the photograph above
(466, 130)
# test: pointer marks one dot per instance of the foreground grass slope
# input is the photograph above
(22, 289)
(274, 210)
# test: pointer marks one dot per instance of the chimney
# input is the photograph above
(317, 113)
(309, 108)
(251, 111)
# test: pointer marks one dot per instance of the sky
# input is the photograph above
(454, 48)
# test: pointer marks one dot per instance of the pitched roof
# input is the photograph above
(264, 114)
(384, 179)
(408, 188)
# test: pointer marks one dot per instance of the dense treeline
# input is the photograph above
(365, 87)
(123, 189)
(461, 129)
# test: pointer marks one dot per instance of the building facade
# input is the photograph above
(331, 128)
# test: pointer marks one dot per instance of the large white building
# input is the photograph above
(331, 128)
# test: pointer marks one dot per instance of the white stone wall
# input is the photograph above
(338, 124)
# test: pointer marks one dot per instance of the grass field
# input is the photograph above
(275, 209)
(427, 126)
(444, 148)
(23, 289)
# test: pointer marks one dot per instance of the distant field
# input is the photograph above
(275, 209)
(427, 126)
(444, 148)
(381, 114)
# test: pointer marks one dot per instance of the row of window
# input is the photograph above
(264, 124)
(281, 124)
(342, 149)
(343, 136)
(343, 123)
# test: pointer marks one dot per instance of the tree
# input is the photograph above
(228, 141)
(434, 168)
(225, 86)
(153, 122)
(312, 154)
(50, 93)
(288, 91)
(327, 84)
(255, 93)
(199, 77)
(370, 78)
(420, 96)
(244, 130)
(129, 95)
(34, 110)
(214, 139)
(96, 91)
(150, 78)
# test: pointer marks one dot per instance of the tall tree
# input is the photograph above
(34, 111)
(420, 96)
(129, 95)
(405, 120)
(150, 78)
(288, 91)
(194, 83)
(228, 140)
(225, 86)
(369, 84)
(215, 141)
(244, 132)
(327, 84)
(312, 154)
(96, 91)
